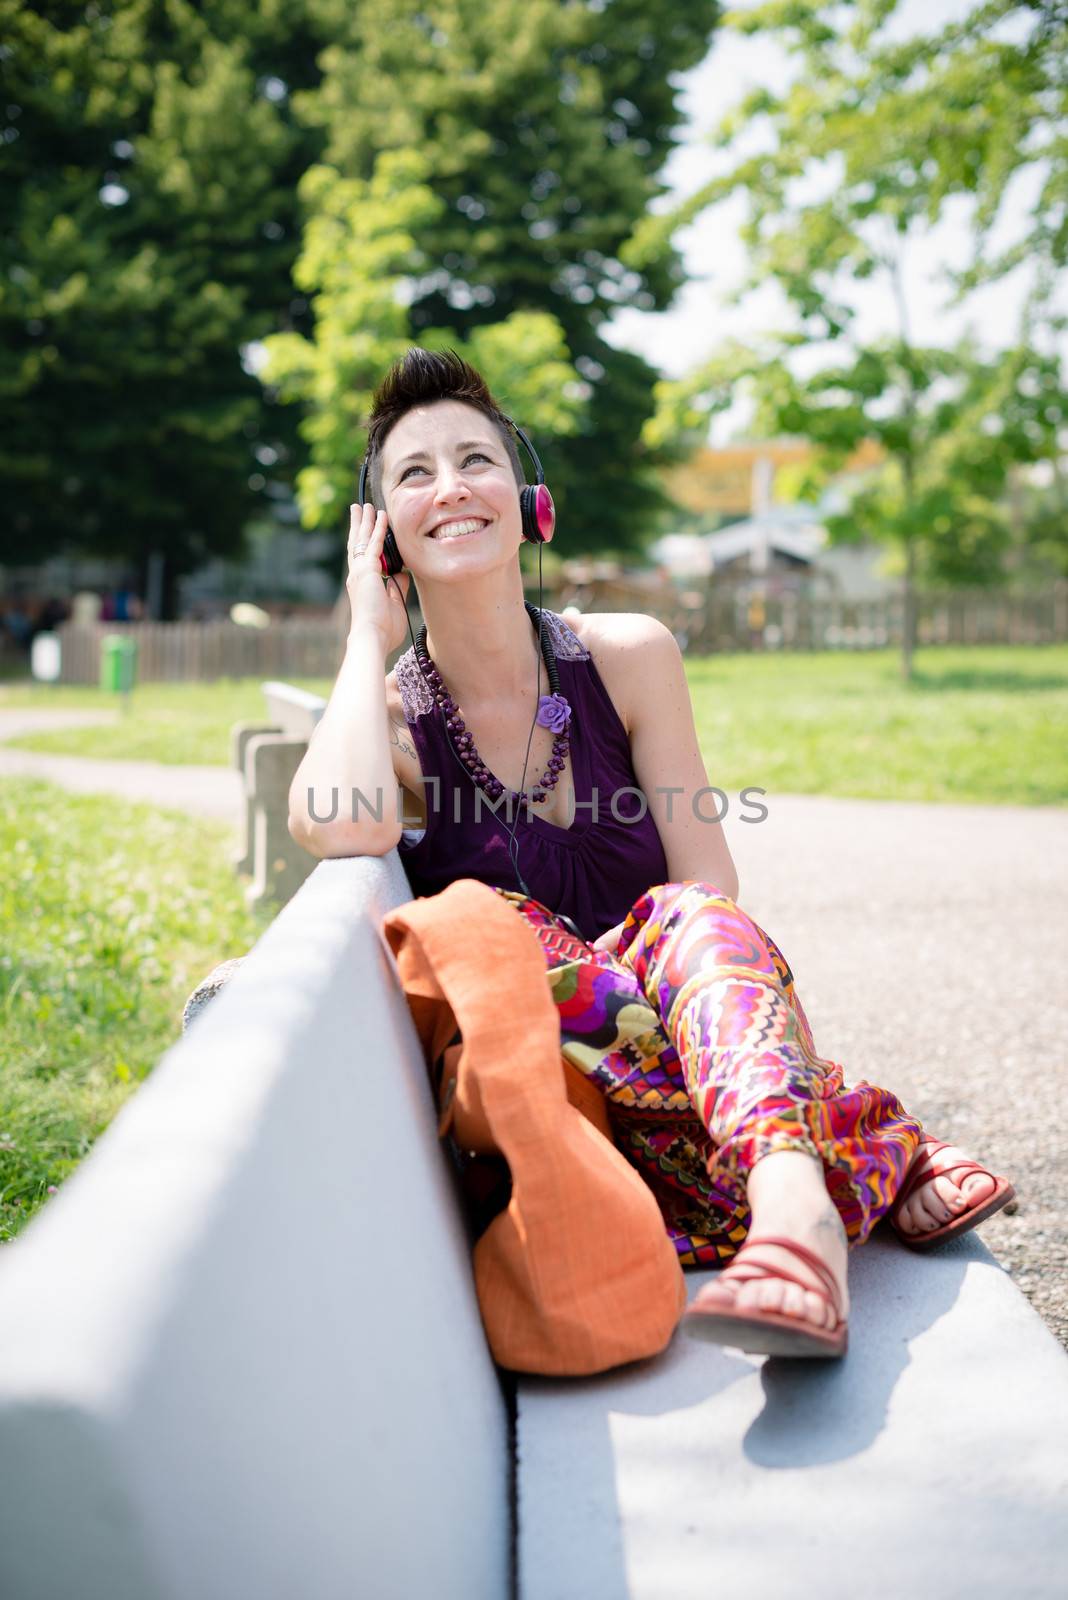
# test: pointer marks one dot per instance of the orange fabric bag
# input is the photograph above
(577, 1274)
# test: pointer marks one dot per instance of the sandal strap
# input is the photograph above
(765, 1269)
(924, 1170)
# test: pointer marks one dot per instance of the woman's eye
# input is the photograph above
(476, 455)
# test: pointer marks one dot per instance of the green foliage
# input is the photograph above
(679, 423)
(954, 111)
(538, 128)
(151, 201)
(148, 234)
(358, 243)
(1041, 510)
(842, 171)
(110, 914)
(953, 424)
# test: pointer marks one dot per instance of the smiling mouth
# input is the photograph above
(460, 529)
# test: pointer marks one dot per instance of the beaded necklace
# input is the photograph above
(554, 712)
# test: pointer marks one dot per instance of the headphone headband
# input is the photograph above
(539, 475)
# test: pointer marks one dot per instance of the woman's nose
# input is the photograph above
(450, 482)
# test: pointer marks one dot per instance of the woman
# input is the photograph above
(671, 999)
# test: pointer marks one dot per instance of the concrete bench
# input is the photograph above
(240, 1351)
(267, 755)
(240, 1354)
(931, 1463)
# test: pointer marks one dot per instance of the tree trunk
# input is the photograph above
(908, 621)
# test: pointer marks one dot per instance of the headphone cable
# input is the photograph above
(513, 843)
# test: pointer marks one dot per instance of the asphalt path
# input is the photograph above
(928, 947)
(203, 791)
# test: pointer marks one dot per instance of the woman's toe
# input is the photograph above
(767, 1294)
(942, 1200)
(818, 1311)
(977, 1187)
(915, 1217)
(793, 1300)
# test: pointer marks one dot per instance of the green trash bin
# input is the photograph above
(118, 662)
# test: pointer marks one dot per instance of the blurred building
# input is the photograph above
(773, 542)
(284, 567)
(739, 479)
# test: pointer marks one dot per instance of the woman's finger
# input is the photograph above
(367, 529)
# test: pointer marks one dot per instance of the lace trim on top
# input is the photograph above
(415, 691)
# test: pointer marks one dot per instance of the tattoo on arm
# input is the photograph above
(398, 735)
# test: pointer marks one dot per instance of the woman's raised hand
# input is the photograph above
(374, 604)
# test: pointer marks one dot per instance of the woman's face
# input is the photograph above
(450, 493)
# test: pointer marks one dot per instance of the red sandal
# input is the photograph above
(921, 1172)
(772, 1333)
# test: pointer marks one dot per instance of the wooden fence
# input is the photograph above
(719, 617)
(182, 652)
(722, 616)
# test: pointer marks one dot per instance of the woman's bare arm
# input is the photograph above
(349, 752)
(641, 665)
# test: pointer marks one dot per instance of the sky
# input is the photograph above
(680, 338)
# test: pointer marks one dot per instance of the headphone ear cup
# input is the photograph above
(391, 556)
(538, 512)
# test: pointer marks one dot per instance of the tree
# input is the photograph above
(359, 245)
(942, 494)
(148, 165)
(541, 127)
(1038, 502)
(856, 158)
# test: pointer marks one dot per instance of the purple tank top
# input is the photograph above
(591, 872)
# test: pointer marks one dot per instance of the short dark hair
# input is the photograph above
(420, 378)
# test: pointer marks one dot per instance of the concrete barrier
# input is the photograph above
(267, 755)
(240, 1351)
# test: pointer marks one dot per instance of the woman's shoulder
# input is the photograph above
(616, 632)
(623, 645)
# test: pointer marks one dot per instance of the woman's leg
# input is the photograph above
(818, 1163)
(727, 1001)
(946, 1195)
(809, 1140)
(612, 1035)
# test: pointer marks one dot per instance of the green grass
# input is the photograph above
(979, 724)
(110, 914)
(177, 723)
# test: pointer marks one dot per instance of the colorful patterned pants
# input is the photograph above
(694, 1033)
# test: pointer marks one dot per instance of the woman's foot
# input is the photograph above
(945, 1195)
(788, 1198)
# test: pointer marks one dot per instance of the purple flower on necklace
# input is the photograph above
(554, 712)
